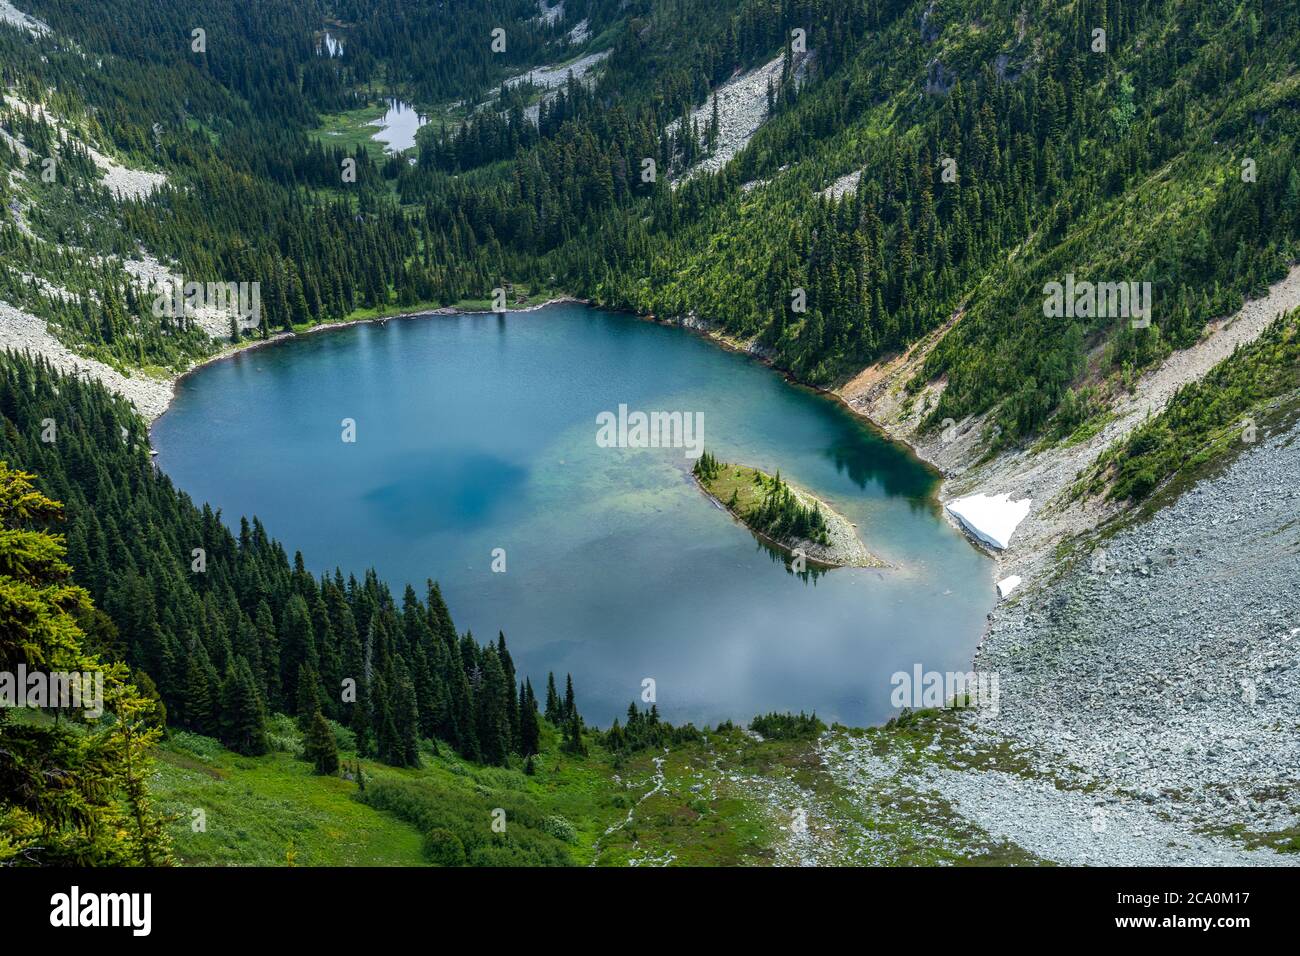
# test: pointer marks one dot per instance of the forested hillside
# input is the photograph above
(1004, 146)
(66, 798)
(418, 768)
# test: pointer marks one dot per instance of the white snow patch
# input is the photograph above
(991, 519)
(15, 17)
(1008, 584)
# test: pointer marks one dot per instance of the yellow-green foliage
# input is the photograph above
(70, 794)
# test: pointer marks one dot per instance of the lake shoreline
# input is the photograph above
(703, 329)
(660, 536)
(233, 351)
(688, 323)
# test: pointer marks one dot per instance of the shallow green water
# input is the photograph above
(478, 432)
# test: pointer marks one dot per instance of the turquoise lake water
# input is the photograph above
(478, 432)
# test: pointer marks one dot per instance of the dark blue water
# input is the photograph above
(478, 432)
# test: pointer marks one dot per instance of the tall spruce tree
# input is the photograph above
(297, 648)
(201, 708)
(512, 705)
(309, 699)
(554, 709)
(243, 714)
(492, 701)
(406, 717)
(530, 733)
(319, 746)
(570, 708)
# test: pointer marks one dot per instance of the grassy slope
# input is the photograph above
(737, 479)
(264, 811)
(726, 800)
(270, 810)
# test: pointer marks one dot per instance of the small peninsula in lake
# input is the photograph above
(782, 515)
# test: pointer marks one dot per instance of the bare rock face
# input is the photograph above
(24, 332)
(939, 79)
(12, 15)
(742, 109)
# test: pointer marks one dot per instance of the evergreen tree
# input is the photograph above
(65, 798)
(152, 710)
(319, 746)
(529, 727)
(573, 742)
(297, 648)
(309, 701)
(554, 709)
(243, 714)
(362, 720)
(512, 705)
(202, 700)
(406, 718)
(464, 729)
(492, 703)
(269, 641)
(570, 708)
